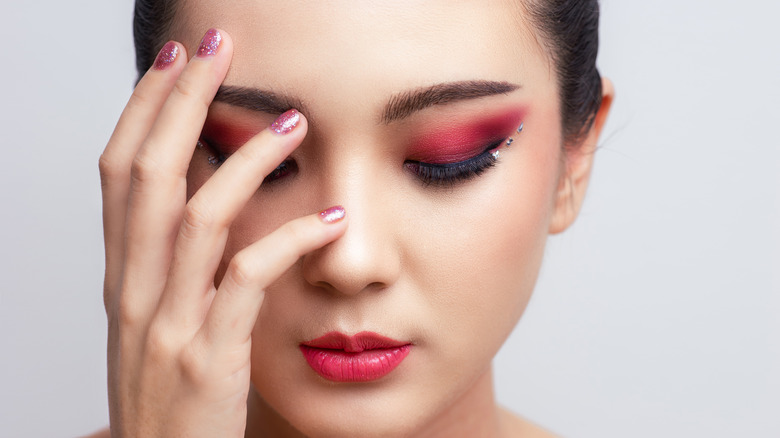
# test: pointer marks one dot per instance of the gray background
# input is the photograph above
(656, 315)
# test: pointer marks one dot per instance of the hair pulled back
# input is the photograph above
(152, 21)
(568, 29)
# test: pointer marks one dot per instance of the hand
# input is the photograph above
(179, 347)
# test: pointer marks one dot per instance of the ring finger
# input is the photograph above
(131, 129)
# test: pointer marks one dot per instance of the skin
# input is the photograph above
(212, 283)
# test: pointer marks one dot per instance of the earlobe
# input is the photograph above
(577, 166)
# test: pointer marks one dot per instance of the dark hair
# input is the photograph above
(152, 20)
(568, 28)
(570, 31)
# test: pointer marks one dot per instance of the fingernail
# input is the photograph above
(285, 123)
(210, 43)
(167, 55)
(333, 214)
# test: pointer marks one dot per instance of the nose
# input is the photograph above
(367, 257)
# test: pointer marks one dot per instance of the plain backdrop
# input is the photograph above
(657, 314)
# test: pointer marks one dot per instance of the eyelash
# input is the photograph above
(448, 174)
(445, 174)
(217, 158)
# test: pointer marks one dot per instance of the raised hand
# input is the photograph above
(179, 347)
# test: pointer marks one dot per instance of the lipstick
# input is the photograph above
(364, 357)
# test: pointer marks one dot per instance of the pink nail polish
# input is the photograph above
(210, 43)
(286, 122)
(167, 56)
(333, 214)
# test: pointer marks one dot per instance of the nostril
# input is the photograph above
(323, 285)
(375, 286)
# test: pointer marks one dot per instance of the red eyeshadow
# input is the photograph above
(229, 136)
(455, 141)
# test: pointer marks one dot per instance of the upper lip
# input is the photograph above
(355, 343)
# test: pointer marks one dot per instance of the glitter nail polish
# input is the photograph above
(210, 43)
(286, 122)
(167, 56)
(333, 214)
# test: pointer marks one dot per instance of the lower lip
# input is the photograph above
(341, 366)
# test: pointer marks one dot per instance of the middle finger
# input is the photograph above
(158, 175)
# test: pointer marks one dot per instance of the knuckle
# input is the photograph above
(241, 270)
(190, 91)
(128, 310)
(197, 217)
(108, 303)
(128, 316)
(137, 100)
(193, 367)
(160, 342)
(184, 87)
(144, 169)
(109, 168)
(109, 299)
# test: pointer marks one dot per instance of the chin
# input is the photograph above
(318, 408)
(357, 424)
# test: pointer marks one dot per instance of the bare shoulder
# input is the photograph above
(516, 426)
(104, 433)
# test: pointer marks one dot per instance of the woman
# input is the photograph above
(441, 143)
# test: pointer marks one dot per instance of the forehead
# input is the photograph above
(363, 51)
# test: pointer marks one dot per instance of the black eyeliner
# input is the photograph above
(448, 174)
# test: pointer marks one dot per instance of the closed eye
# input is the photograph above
(216, 158)
(448, 174)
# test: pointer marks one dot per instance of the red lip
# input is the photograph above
(363, 357)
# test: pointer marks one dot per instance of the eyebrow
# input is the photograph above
(255, 99)
(398, 107)
(402, 105)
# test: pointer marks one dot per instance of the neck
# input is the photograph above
(473, 414)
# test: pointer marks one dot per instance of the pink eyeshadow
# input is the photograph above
(455, 141)
(228, 136)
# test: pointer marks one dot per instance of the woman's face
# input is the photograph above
(446, 266)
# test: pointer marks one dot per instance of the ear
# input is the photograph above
(578, 163)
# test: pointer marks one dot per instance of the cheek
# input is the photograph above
(487, 250)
